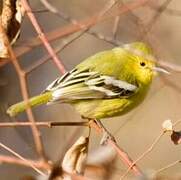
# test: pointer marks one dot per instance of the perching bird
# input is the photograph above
(107, 84)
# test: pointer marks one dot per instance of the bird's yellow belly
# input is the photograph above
(98, 109)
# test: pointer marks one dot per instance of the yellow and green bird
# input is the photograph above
(107, 84)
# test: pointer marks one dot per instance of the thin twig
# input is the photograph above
(168, 166)
(17, 161)
(115, 26)
(171, 83)
(169, 11)
(48, 124)
(24, 91)
(148, 28)
(67, 18)
(66, 43)
(176, 123)
(125, 158)
(20, 157)
(121, 9)
(122, 154)
(42, 36)
(45, 58)
(171, 66)
(69, 29)
(158, 14)
(85, 29)
(155, 142)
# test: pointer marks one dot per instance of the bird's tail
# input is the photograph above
(34, 101)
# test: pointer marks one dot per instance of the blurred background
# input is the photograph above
(159, 24)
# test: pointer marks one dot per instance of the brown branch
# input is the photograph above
(20, 157)
(157, 15)
(121, 9)
(115, 26)
(168, 166)
(146, 29)
(69, 29)
(29, 163)
(52, 9)
(177, 122)
(42, 36)
(122, 154)
(67, 18)
(171, 66)
(169, 11)
(45, 58)
(48, 124)
(24, 91)
(155, 142)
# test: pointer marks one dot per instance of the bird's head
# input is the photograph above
(142, 63)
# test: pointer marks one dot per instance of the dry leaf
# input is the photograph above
(11, 14)
(75, 158)
(167, 125)
(176, 137)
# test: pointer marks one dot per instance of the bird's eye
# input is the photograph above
(142, 64)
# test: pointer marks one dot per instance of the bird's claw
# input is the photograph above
(106, 137)
(106, 134)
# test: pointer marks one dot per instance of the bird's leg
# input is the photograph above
(106, 134)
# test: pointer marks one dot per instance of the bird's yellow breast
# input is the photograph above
(105, 108)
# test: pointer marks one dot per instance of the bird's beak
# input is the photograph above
(159, 69)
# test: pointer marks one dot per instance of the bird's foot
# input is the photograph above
(106, 137)
(106, 134)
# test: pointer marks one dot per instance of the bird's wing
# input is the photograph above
(79, 85)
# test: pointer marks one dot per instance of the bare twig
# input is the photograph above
(69, 29)
(45, 58)
(29, 163)
(85, 29)
(168, 166)
(24, 91)
(148, 28)
(155, 142)
(42, 36)
(48, 124)
(157, 15)
(82, 27)
(20, 157)
(171, 66)
(115, 27)
(177, 122)
(122, 154)
(169, 11)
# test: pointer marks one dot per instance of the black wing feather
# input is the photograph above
(89, 85)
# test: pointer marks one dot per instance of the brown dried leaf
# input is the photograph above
(3, 48)
(11, 14)
(75, 159)
(176, 137)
